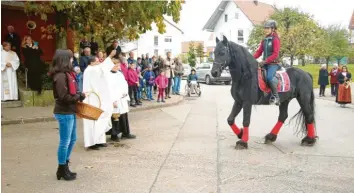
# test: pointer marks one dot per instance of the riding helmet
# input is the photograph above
(270, 24)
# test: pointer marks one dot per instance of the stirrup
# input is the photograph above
(274, 100)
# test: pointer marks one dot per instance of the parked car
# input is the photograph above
(187, 70)
(204, 74)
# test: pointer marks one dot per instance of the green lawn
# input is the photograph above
(314, 68)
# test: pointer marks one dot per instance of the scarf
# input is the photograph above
(72, 82)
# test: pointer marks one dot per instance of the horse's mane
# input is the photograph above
(244, 68)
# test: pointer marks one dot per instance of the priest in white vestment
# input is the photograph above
(9, 64)
(96, 77)
(120, 99)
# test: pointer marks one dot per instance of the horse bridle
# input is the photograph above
(225, 63)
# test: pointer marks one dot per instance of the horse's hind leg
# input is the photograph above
(236, 108)
(283, 115)
(307, 108)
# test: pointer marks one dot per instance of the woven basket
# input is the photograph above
(87, 111)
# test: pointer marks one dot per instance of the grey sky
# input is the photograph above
(195, 13)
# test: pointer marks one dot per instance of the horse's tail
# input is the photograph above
(300, 124)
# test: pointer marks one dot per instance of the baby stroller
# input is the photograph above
(193, 88)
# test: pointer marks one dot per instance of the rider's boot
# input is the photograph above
(274, 87)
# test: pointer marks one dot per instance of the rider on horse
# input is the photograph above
(270, 47)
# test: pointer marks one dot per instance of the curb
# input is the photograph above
(324, 99)
(49, 119)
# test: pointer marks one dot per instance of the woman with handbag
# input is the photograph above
(66, 94)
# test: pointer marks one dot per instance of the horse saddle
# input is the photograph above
(281, 75)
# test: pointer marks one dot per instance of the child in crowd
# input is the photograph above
(192, 81)
(133, 82)
(78, 77)
(161, 83)
(149, 77)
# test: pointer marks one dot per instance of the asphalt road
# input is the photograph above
(189, 148)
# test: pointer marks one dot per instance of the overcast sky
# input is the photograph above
(195, 13)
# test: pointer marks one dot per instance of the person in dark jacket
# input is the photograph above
(66, 95)
(14, 39)
(32, 54)
(323, 79)
(93, 46)
(116, 47)
(270, 47)
(85, 59)
(334, 82)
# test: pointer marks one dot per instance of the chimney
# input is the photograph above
(255, 2)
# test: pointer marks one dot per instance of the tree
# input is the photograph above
(333, 43)
(106, 19)
(200, 52)
(191, 55)
(297, 31)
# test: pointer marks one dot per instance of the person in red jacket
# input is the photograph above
(334, 81)
(270, 47)
(133, 82)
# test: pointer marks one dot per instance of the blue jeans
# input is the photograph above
(67, 134)
(271, 70)
(177, 84)
(149, 92)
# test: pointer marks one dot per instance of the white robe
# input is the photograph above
(9, 89)
(96, 80)
(119, 88)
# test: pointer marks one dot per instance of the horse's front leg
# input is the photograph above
(236, 108)
(247, 111)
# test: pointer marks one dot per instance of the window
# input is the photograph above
(167, 50)
(225, 18)
(168, 39)
(240, 36)
(156, 52)
(156, 40)
(236, 15)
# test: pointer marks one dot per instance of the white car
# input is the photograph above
(204, 74)
(187, 70)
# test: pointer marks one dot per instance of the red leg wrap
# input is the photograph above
(245, 134)
(311, 130)
(235, 129)
(276, 128)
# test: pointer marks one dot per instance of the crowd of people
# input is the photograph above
(340, 79)
(145, 76)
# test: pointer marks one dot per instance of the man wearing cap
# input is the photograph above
(116, 47)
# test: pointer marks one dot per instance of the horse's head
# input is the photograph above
(222, 57)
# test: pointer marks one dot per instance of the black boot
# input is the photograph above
(273, 86)
(71, 173)
(63, 172)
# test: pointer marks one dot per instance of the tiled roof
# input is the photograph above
(256, 12)
(351, 23)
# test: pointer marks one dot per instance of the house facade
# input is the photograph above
(236, 19)
(351, 30)
(154, 43)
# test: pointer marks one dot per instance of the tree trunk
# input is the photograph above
(327, 61)
(291, 60)
(61, 23)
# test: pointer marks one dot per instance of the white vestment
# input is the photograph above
(96, 80)
(9, 89)
(119, 92)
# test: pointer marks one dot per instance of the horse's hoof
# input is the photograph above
(308, 141)
(241, 145)
(240, 134)
(270, 138)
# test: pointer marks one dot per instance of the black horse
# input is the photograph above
(246, 92)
